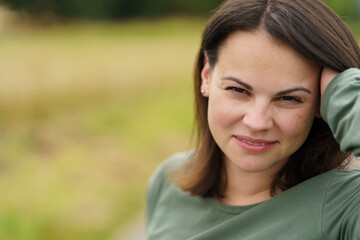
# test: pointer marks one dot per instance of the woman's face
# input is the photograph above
(263, 97)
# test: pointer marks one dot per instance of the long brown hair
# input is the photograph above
(309, 27)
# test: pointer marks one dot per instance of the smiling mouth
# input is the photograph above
(255, 144)
(254, 141)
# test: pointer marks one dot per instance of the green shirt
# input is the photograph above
(324, 207)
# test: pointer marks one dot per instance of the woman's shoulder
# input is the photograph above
(333, 189)
(158, 183)
(342, 190)
(175, 161)
(341, 206)
(172, 163)
(345, 181)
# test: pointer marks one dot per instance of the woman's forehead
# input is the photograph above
(247, 49)
(256, 55)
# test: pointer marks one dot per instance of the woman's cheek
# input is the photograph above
(221, 118)
(296, 126)
(223, 111)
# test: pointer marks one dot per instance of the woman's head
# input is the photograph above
(262, 99)
(307, 27)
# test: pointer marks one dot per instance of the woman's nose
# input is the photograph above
(258, 118)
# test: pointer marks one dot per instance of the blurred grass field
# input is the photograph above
(87, 111)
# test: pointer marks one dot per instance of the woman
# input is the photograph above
(272, 78)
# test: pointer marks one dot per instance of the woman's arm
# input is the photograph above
(340, 106)
(327, 75)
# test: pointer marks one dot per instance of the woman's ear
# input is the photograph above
(205, 77)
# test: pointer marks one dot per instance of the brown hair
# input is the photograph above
(309, 27)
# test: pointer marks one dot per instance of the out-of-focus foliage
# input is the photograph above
(119, 9)
(87, 111)
(112, 9)
(346, 8)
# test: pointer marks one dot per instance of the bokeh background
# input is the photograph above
(94, 94)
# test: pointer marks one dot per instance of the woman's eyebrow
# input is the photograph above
(296, 89)
(245, 85)
(284, 92)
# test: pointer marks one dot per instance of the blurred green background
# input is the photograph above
(93, 96)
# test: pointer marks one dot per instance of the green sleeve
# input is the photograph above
(340, 108)
(341, 208)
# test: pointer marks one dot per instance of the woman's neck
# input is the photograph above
(246, 188)
(246, 194)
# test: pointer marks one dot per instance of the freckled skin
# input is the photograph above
(268, 67)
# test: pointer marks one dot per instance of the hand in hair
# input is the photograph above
(327, 75)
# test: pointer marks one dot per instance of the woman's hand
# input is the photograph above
(327, 75)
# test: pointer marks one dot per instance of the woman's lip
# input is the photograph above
(254, 145)
(254, 140)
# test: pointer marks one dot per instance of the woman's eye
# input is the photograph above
(290, 99)
(238, 90)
